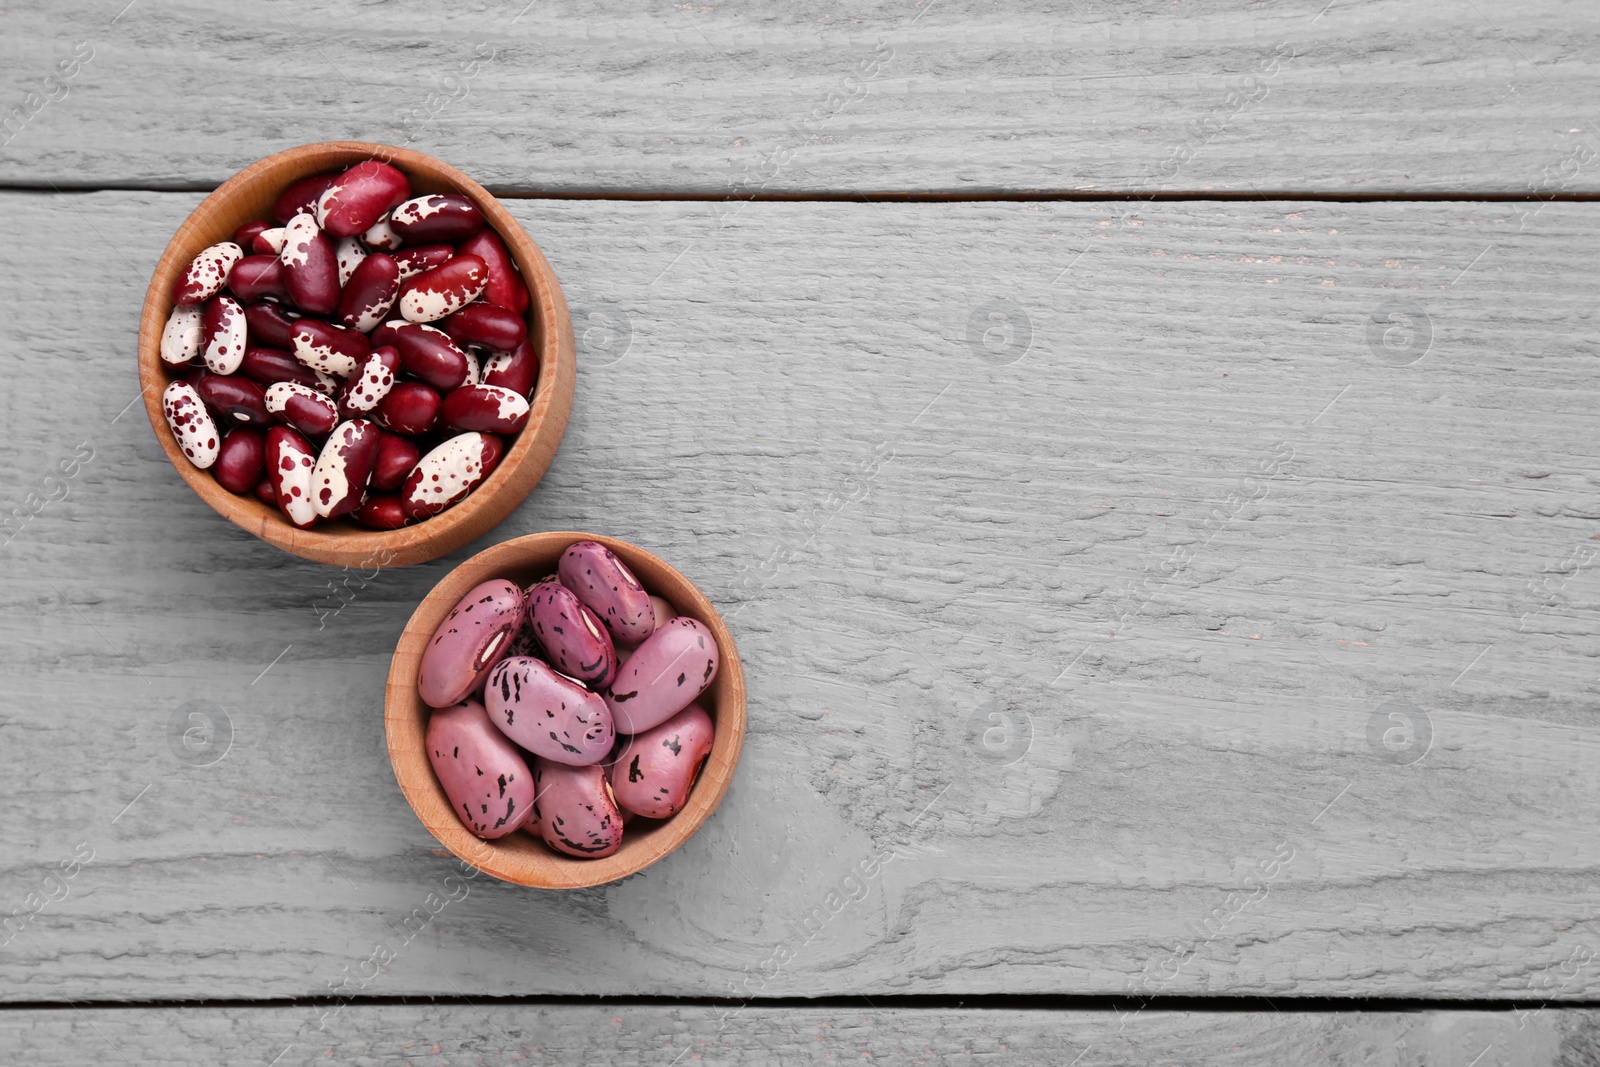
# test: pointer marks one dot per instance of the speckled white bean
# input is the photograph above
(191, 424)
(181, 338)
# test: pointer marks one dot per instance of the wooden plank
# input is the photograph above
(489, 1034)
(1108, 540)
(961, 95)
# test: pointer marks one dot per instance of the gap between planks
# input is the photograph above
(894, 197)
(1050, 1002)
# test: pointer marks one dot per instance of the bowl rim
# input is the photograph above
(530, 862)
(526, 459)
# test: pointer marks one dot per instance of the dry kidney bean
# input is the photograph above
(310, 266)
(301, 197)
(516, 370)
(370, 383)
(340, 476)
(270, 325)
(547, 713)
(444, 290)
(222, 334)
(234, 399)
(409, 408)
(506, 287)
(415, 259)
(326, 347)
(290, 461)
(443, 477)
(487, 325)
(655, 771)
(663, 676)
(465, 647)
(357, 249)
(370, 293)
(572, 636)
(355, 200)
(206, 273)
(487, 780)
(425, 352)
(302, 407)
(242, 459)
(269, 365)
(183, 336)
(396, 457)
(605, 584)
(245, 236)
(436, 217)
(190, 423)
(574, 809)
(381, 511)
(257, 278)
(485, 407)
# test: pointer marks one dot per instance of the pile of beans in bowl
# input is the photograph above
(365, 354)
(567, 708)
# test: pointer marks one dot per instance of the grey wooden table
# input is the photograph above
(1166, 539)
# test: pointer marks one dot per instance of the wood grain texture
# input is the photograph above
(906, 538)
(952, 95)
(633, 1035)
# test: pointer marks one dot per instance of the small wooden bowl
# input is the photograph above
(248, 196)
(521, 857)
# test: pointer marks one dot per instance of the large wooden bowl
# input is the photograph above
(522, 857)
(248, 196)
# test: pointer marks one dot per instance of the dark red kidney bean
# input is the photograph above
(266, 493)
(328, 348)
(370, 293)
(310, 266)
(516, 370)
(339, 480)
(234, 399)
(290, 461)
(242, 459)
(487, 408)
(245, 236)
(413, 261)
(489, 325)
(442, 291)
(436, 217)
(425, 352)
(506, 286)
(446, 476)
(359, 197)
(301, 197)
(257, 278)
(396, 457)
(270, 325)
(302, 407)
(410, 408)
(269, 365)
(381, 511)
(370, 383)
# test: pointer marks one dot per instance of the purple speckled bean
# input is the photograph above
(574, 811)
(470, 641)
(487, 780)
(664, 613)
(608, 587)
(548, 713)
(656, 769)
(575, 642)
(662, 677)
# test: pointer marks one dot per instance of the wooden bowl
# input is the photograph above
(522, 858)
(249, 195)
